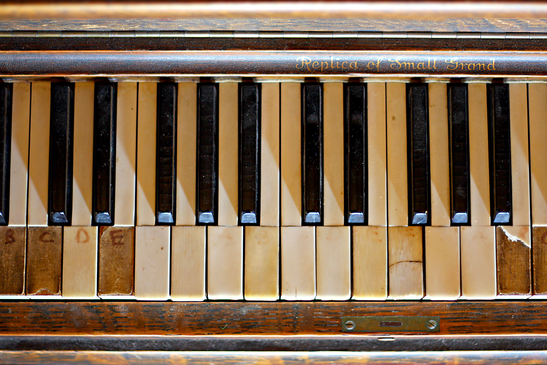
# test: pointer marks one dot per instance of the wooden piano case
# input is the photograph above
(271, 40)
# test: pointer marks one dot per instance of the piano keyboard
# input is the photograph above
(267, 191)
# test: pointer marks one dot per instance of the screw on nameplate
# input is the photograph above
(391, 324)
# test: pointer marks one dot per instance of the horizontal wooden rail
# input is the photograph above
(273, 63)
(510, 318)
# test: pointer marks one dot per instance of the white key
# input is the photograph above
(478, 262)
(333, 263)
(442, 263)
(261, 263)
(397, 155)
(20, 119)
(377, 166)
(405, 263)
(146, 155)
(80, 255)
(225, 263)
(39, 154)
(439, 155)
(333, 165)
(518, 101)
(269, 163)
(83, 153)
(188, 263)
(291, 160)
(298, 263)
(126, 147)
(228, 155)
(478, 155)
(537, 108)
(152, 262)
(369, 263)
(186, 154)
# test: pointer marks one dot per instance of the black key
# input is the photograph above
(166, 149)
(5, 143)
(60, 153)
(418, 152)
(312, 153)
(460, 204)
(249, 153)
(355, 143)
(104, 153)
(207, 154)
(499, 136)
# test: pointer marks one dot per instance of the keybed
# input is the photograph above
(264, 191)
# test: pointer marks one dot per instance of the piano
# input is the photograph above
(273, 182)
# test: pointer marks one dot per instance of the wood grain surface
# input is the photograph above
(539, 257)
(13, 244)
(180, 40)
(279, 318)
(116, 261)
(513, 262)
(44, 260)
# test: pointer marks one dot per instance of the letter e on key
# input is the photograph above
(116, 236)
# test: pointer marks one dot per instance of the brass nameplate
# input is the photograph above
(390, 324)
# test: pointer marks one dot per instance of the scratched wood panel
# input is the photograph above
(13, 242)
(539, 257)
(269, 318)
(116, 261)
(513, 262)
(44, 261)
(174, 41)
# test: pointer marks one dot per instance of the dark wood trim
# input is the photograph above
(353, 343)
(348, 42)
(273, 63)
(248, 318)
